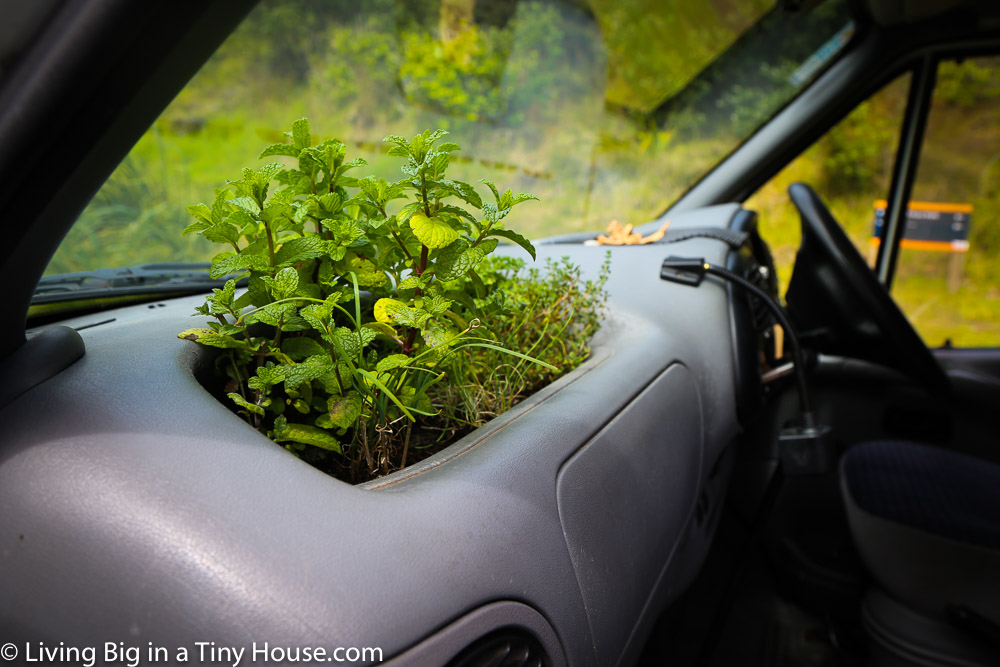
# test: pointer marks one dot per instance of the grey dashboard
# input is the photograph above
(135, 508)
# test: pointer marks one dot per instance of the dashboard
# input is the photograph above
(139, 509)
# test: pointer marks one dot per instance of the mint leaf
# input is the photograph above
(301, 348)
(307, 435)
(516, 238)
(237, 262)
(245, 404)
(212, 339)
(396, 312)
(457, 259)
(299, 250)
(313, 368)
(391, 362)
(345, 410)
(280, 149)
(432, 232)
(222, 233)
(300, 133)
(463, 191)
(350, 343)
(284, 283)
(367, 273)
(247, 204)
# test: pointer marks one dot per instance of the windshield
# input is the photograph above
(604, 109)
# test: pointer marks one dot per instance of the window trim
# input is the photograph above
(924, 66)
(904, 170)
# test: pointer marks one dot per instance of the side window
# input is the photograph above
(947, 278)
(850, 167)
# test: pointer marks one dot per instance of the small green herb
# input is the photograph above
(549, 315)
(369, 301)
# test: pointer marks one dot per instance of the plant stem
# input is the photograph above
(406, 445)
(424, 252)
(367, 451)
(411, 334)
(336, 368)
(427, 211)
(402, 247)
(423, 195)
(482, 234)
(258, 423)
(270, 245)
(340, 381)
(277, 334)
(408, 345)
(239, 375)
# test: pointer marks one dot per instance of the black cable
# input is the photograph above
(690, 271)
(779, 313)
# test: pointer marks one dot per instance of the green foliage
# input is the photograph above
(550, 314)
(363, 295)
(857, 149)
(967, 84)
(642, 72)
(463, 75)
(550, 97)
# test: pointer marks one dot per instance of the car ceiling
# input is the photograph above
(21, 22)
(901, 12)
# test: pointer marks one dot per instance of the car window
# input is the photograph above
(603, 109)
(947, 281)
(850, 167)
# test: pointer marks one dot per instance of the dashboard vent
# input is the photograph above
(504, 648)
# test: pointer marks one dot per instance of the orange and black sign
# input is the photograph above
(936, 226)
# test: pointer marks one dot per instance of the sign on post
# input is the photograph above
(934, 226)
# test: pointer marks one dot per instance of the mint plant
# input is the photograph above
(364, 297)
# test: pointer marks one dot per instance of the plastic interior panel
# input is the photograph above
(41, 357)
(625, 497)
(448, 642)
(904, 637)
(136, 508)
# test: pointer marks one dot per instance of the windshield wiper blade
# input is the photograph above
(140, 279)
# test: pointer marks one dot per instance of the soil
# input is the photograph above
(425, 441)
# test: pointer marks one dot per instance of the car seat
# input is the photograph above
(926, 522)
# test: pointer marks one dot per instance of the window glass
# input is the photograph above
(948, 276)
(850, 167)
(604, 109)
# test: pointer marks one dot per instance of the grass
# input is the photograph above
(968, 317)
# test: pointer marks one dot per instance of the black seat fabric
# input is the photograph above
(930, 489)
(926, 523)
